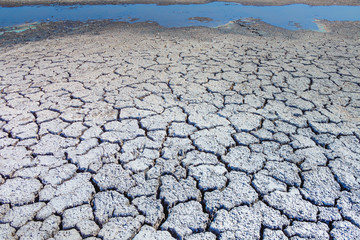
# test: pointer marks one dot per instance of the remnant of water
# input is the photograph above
(201, 19)
(213, 14)
(19, 28)
(322, 27)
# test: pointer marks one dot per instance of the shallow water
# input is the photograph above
(293, 17)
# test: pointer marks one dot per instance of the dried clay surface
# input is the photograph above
(140, 132)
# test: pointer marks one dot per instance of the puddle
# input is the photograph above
(19, 28)
(292, 17)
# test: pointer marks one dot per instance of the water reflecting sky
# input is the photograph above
(289, 16)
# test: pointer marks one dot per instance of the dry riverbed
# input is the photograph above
(120, 131)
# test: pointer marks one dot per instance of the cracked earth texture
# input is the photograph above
(180, 135)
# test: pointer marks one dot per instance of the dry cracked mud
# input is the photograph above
(180, 134)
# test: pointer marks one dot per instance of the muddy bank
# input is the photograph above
(34, 32)
(14, 3)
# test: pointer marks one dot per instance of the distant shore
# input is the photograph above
(10, 3)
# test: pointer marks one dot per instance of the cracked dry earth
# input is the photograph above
(130, 134)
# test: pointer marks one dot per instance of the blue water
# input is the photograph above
(291, 17)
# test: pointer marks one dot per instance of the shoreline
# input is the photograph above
(12, 3)
(257, 28)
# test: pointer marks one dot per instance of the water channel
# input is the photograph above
(293, 17)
